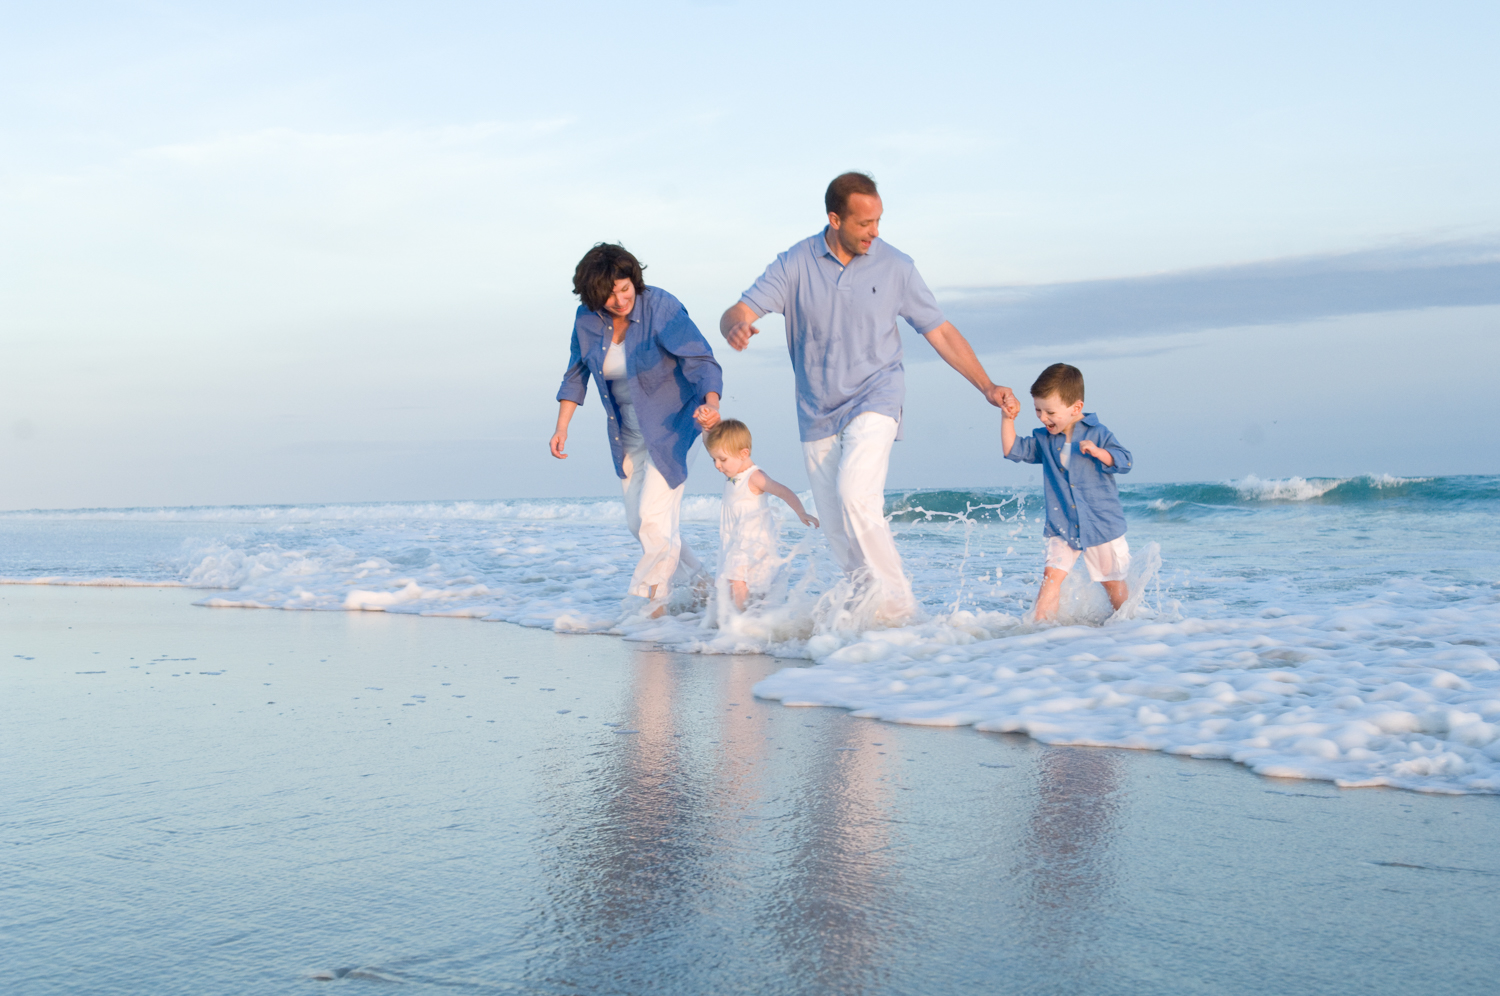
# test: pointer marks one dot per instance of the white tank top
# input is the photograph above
(615, 372)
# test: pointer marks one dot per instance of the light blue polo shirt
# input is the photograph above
(841, 328)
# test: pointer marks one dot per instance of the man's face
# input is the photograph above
(860, 224)
(1056, 416)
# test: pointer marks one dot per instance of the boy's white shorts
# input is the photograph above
(1106, 562)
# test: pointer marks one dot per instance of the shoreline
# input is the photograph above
(521, 811)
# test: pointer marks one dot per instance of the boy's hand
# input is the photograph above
(1011, 408)
(807, 520)
(1087, 448)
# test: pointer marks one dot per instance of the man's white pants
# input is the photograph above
(653, 511)
(848, 473)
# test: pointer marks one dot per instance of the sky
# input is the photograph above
(280, 253)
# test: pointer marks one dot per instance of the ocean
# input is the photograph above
(1344, 629)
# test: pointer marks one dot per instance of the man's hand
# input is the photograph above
(739, 335)
(1087, 448)
(1003, 398)
(737, 326)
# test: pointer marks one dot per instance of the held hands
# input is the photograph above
(1003, 398)
(707, 416)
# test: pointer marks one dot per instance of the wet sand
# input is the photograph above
(234, 801)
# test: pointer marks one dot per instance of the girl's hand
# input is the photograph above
(807, 520)
(707, 416)
(559, 440)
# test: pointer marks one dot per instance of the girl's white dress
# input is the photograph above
(747, 535)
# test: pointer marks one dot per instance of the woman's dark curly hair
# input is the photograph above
(594, 279)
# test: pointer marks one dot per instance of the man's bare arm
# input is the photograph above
(735, 325)
(958, 354)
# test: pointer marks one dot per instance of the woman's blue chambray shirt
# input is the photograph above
(671, 368)
(1083, 503)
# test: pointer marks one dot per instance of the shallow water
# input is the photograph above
(243, 803)
(1345, 630)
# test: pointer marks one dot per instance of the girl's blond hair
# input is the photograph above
(731, 435)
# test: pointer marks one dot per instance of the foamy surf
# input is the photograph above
(1334, 628)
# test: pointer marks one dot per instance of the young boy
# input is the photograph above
(747, 531)
(1079, 459)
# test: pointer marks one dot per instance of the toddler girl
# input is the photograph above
(747, 530)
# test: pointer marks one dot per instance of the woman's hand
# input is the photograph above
(565, 410)
(707, 415)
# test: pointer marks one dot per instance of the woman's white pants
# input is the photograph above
(847, 472)
(653, 511)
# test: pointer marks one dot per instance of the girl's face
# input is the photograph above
(621, 299)
(730, 464)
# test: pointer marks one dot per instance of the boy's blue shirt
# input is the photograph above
(1083, 503)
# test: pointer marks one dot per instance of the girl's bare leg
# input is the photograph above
(740, 592)
(1047, 598)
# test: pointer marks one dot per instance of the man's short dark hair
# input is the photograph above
(836, 199)
(594, 278)
(1061, 379)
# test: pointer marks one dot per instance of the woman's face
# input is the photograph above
(621, 299)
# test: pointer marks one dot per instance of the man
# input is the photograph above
(841, 292)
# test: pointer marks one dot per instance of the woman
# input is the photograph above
(660, 385)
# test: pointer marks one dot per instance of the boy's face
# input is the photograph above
(730, 464)
(1055, 415)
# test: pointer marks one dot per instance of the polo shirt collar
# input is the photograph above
(826, 251)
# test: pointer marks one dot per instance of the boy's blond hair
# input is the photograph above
(731, 435)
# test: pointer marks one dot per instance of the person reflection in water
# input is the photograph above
(1065, 873)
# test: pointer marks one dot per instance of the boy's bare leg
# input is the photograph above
(740, 592)
(1117, 591)
(1047, 598)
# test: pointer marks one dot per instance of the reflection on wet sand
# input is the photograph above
(1065, 875)
(679, 850)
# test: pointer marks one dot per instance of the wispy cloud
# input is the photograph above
(1273, 292)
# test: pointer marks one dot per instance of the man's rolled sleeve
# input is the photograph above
(772, 290)
(1023, 450)
(575, 383)
(919, 306)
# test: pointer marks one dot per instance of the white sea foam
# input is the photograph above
(1304, 489)
(1389, 691)
(1349, 640)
